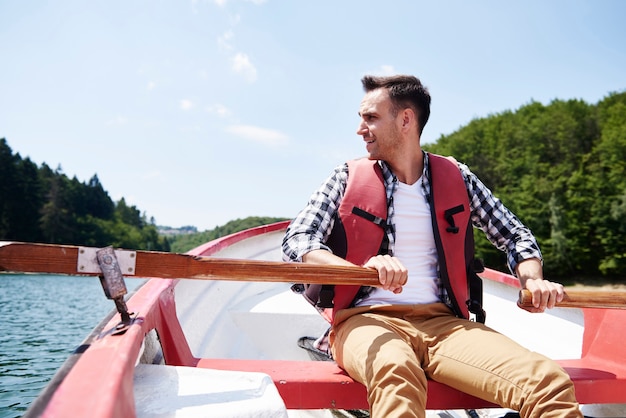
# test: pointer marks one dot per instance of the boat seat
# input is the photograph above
(323, 384)
(599, 375)
(179, 391)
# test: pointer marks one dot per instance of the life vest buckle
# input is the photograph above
(376, 220)
(448, 214)
(476, 308)
(327, 294)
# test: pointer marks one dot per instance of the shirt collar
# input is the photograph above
(388, 175)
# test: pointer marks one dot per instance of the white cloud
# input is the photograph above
(223, 42)
(219, 110)
(243, 66)
(386, 70)
(234, 19)
(261, 135)
(151, 85)
(186, 104)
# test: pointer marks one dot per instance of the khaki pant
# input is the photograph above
(393, 349)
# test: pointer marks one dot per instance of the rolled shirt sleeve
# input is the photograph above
(313, 225)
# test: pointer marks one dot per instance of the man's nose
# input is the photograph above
(362, 129)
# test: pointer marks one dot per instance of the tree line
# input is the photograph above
(185, 242)
(38, 204)
(561, 168)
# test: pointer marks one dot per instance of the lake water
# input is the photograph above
(43, 319)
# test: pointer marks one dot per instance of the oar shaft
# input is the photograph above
(64, 259)
(271, 271)
(579, 298)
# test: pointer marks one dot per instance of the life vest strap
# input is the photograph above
(370, 217)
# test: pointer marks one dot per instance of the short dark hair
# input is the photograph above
(404, 91)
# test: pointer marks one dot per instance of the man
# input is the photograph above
(397, 335)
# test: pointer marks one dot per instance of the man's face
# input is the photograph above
(378, 125)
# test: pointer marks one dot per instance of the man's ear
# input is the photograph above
(408, 118)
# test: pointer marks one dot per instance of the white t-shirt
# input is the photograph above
(414, 247)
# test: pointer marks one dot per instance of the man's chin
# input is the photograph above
(372, 155)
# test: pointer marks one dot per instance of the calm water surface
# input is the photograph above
(43, 318)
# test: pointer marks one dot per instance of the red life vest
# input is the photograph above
(359, 231)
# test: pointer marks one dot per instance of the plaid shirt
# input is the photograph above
(313, 225)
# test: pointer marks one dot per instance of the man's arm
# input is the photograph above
(509, 234)
(545, 293)
(499, 224)
(310, 229)
(392, 274)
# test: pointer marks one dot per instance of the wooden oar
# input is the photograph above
(579, 298)
(72, 260)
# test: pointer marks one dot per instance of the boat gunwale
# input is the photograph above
(221, 243)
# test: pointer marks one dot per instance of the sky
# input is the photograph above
(201, 112)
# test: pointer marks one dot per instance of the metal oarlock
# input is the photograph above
(112, 281)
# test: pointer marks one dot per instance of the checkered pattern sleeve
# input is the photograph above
(311, 227)
(498, 223)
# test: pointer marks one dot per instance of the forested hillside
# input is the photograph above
(38, 204)
(184, 243)
(561, 169)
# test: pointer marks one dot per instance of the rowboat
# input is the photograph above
(217, 332)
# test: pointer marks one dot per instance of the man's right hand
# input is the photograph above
(392, 274)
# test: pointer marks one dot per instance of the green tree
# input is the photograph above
(7, 192)
(41, 204)
(186, 242)
(55, 218)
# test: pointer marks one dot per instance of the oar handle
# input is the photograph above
(581, 298)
